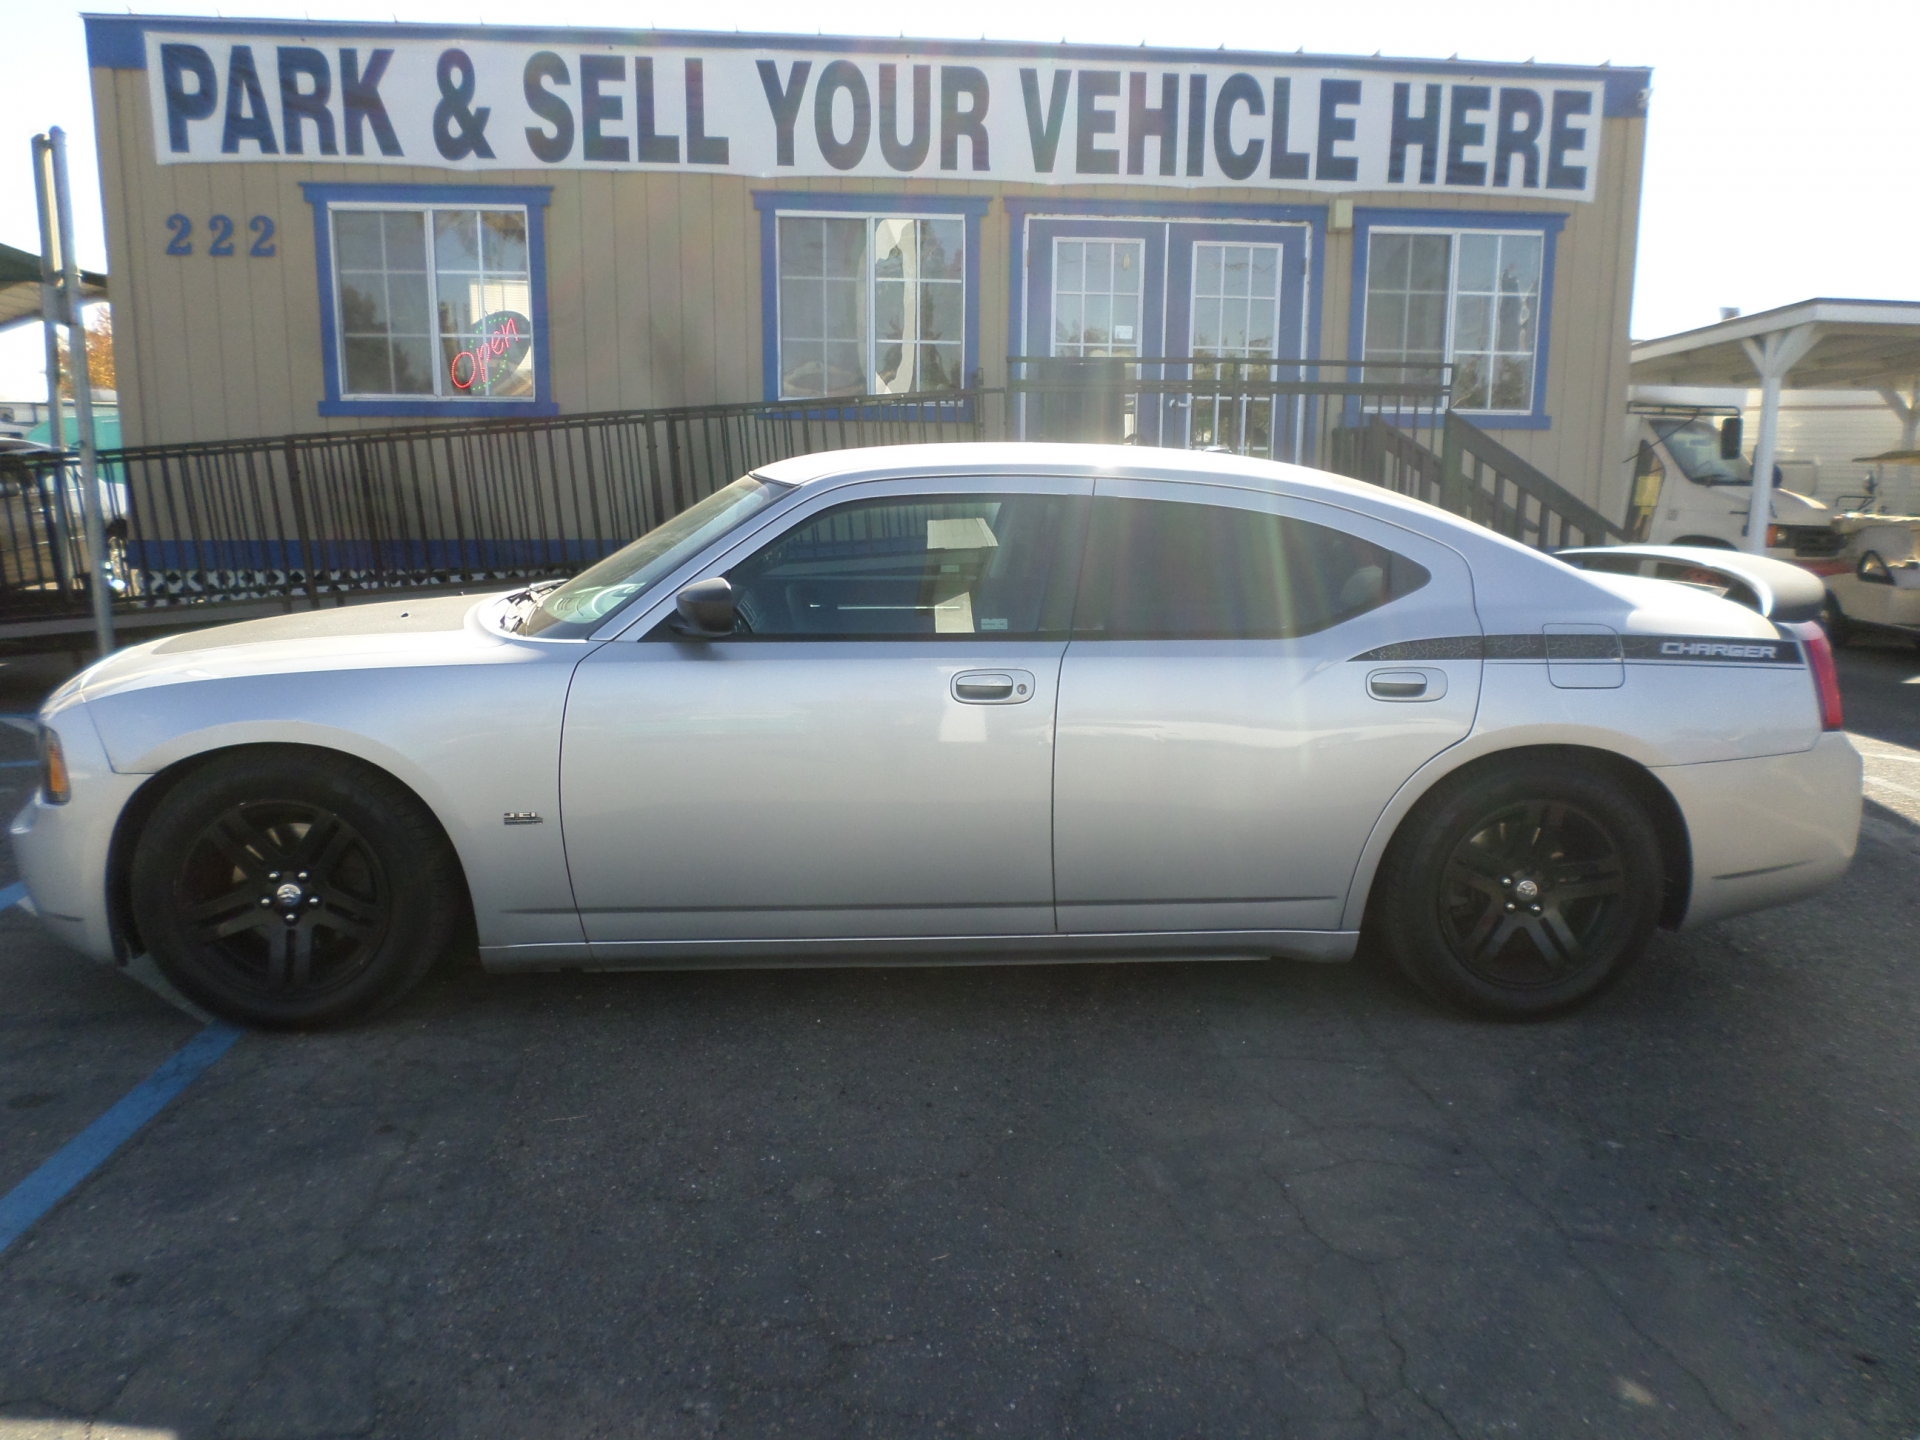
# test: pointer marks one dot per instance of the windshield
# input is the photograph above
(1695, 447)
(574, 609)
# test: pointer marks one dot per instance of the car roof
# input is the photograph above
(1138, 462)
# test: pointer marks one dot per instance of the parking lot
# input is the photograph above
(1106, 1200)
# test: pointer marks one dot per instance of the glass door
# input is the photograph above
(1096, 289)
(1097, 297)
(1206, 305)
(1237, 312)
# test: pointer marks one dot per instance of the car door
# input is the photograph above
(871, 755)
(1234, 712)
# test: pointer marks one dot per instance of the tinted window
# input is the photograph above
(911, 567)
(1164, 569)
(576, 608)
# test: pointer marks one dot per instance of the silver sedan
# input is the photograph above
(956, 704)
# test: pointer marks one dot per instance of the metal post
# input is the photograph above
(1760, 508)
(1906, 411)
(49, 318)
(94, 526)
(1774, 358)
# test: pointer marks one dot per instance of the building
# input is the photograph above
(332, 227)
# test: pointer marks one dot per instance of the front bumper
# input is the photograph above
(62, 850)
(1770, 830)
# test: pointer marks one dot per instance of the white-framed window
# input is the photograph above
(1471, 297)
(1236, 301)
(871, 304)
(432, 302)
(1096, 296)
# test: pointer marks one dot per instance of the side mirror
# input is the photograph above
(1730, 438)
(704, 609)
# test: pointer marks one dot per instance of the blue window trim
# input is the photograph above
(1024, 207)
(534, 197)
(1547, 224)
(770, 202)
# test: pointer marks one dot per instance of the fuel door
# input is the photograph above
(1584, 657)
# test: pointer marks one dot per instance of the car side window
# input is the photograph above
(910, 567)
(1162, 569)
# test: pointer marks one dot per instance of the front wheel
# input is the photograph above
(1519, 889)
(284, 888)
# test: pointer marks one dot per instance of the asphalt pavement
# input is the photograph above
(1107, 1200)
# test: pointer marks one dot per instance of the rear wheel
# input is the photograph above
(1520, 889)
(1834, 621)
(287, 888)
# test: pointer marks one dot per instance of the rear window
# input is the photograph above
(1159, 569)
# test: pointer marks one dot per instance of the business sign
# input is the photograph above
(477, 104)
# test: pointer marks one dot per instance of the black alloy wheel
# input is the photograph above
(285, 887)
(1536, 893)
(1520, 887)
(287, 898)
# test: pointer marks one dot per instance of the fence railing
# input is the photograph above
(460, 504)
(1392, 458)
(322, 515)
(1489, 484)
(1298, 411)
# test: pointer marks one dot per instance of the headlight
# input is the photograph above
(54, 786)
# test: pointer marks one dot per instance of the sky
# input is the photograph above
(1780, 140)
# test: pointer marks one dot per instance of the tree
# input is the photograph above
(100, 369)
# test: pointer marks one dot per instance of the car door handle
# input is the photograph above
(1406, 684)
(993, 687)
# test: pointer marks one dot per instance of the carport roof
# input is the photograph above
(1861, 345)
(20, 286)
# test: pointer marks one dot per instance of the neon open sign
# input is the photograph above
(497, 350)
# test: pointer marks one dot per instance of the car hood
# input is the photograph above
(437, 630)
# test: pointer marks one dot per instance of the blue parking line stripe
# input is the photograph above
(82, 1155)
(13, 895)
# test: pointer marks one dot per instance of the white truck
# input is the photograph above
(1692, 486)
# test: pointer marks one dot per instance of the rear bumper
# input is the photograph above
(1770, 830)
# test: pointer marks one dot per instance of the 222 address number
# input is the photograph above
(221, 228)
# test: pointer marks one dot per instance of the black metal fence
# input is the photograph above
(1472, 474)
(432, 505)
(1299, 412)
(307, 517)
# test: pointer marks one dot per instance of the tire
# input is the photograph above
(1834, 621)
(1452, 905)
(372, 887)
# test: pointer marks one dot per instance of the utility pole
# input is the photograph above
(51, 150)
(49, 321)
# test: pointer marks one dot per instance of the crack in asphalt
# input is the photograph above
(1545, 1213)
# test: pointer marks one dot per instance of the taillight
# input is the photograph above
(54, 787)
(1776, 536)
(1826, 679)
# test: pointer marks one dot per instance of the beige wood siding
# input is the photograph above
(653, 288)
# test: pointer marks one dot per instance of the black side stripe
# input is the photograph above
(1684, 649)
(1451, 647)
